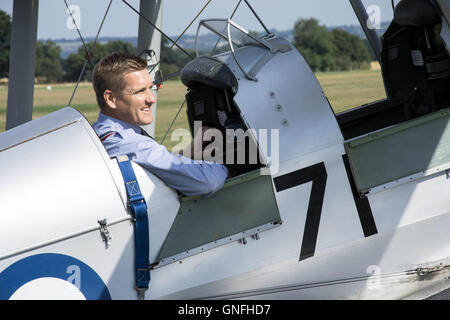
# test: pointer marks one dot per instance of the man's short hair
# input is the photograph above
(109, 71)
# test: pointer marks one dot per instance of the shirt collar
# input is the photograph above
(119, 124)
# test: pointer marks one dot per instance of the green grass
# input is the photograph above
(344, 90)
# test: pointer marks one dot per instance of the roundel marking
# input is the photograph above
(52, 265)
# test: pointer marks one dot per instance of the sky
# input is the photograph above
(121, 21)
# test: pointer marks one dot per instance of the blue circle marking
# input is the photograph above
(51, 265)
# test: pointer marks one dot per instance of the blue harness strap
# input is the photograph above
(138, 208)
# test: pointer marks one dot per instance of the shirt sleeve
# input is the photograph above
(190, 177)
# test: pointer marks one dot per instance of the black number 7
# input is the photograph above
(318, 175)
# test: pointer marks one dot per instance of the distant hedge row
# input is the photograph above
(333, 50)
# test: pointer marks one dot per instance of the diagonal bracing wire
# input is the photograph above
(257, 17)
(174, 43)
(88, 53)
(231, 17)
(78, 29)
(156, 28)
(184, 102)
(184, 31)
(173, 121)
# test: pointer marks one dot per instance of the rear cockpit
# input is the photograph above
(416, 71)
(404, 138)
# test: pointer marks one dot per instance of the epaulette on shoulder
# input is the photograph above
(106, 135)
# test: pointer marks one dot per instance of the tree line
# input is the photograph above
(334, 50)
(324, 50)
(50, 67)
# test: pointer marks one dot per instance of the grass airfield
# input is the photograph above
(344, 90)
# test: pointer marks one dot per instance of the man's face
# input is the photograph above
(134, 103)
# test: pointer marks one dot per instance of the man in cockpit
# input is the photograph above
(123, 89)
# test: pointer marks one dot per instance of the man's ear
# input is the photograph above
(110, 99)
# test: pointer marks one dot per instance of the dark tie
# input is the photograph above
(144, 133)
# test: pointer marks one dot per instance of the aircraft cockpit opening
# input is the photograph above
(210, 101)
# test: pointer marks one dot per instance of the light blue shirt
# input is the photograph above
(190, 177)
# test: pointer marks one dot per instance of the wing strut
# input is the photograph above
(371, 35)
